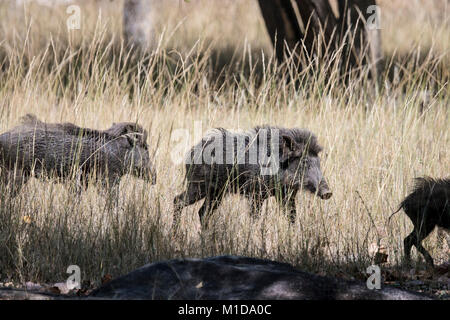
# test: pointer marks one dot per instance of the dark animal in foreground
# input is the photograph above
(64, 150)
(239, 278)
(224, 161)
(428, 206)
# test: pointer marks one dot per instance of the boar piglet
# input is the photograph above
(260, 163)
(64, 150)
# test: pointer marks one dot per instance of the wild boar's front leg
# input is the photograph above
(79, 185)
(212, 202)
(291, 210)
(256, 202)
(110, 187)
(194, 192)
(287, 200)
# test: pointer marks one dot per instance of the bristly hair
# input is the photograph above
(117, 129)
(67, 127)
(122, 128)
(422, 190)
(427, 184)
(301, 136)
(424, 187)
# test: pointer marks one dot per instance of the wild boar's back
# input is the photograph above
(431, 197)
(60, 148)
(222, 151)
(248, 150)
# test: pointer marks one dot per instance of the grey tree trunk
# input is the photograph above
(138, 23)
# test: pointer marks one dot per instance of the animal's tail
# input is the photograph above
(399, 208)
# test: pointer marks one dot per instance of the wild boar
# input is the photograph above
(428, 206)
(262, 162)
(64, 150)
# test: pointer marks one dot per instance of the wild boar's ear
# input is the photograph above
(287, 146)
(134, 138)
(138, 134)
(134, 133)
(121, 129)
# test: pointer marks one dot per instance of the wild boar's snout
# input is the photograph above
(141, 165)
(313, 179)
(324, 191)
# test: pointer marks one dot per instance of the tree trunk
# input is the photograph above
(138, 23)
(282, 25)
(356, 28)
(361, 18)
(318, 20)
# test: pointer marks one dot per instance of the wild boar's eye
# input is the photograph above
(305, 162)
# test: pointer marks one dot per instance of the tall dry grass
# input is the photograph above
(214, 64)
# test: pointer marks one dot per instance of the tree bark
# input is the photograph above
(361, 41)
(319, 20)
(282, 25)
(361, 19)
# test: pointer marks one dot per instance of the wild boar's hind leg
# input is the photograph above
(415, 238)
(287, 200)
